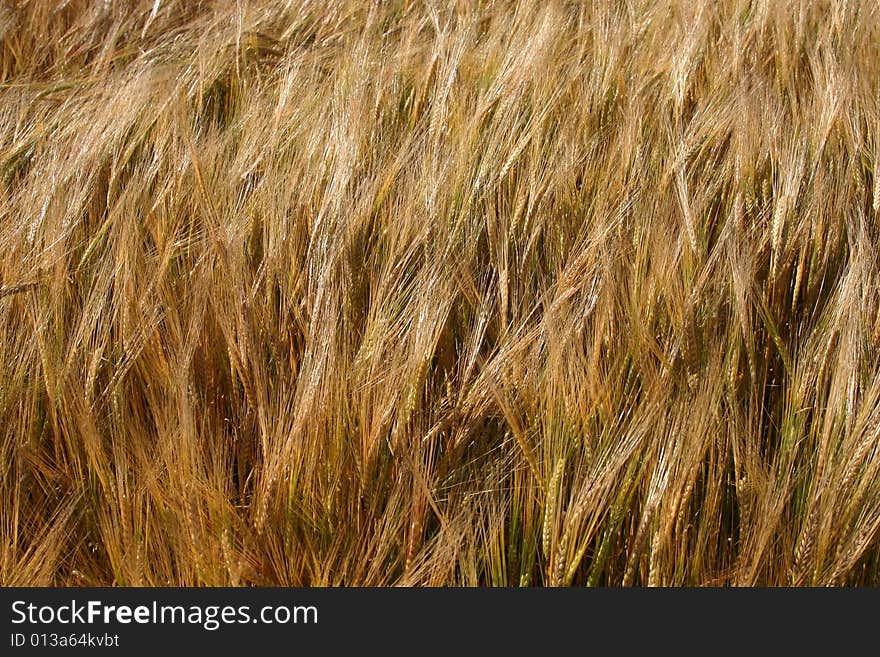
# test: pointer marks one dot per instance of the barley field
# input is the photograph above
(475, 293)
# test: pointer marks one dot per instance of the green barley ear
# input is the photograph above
(551, 507)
